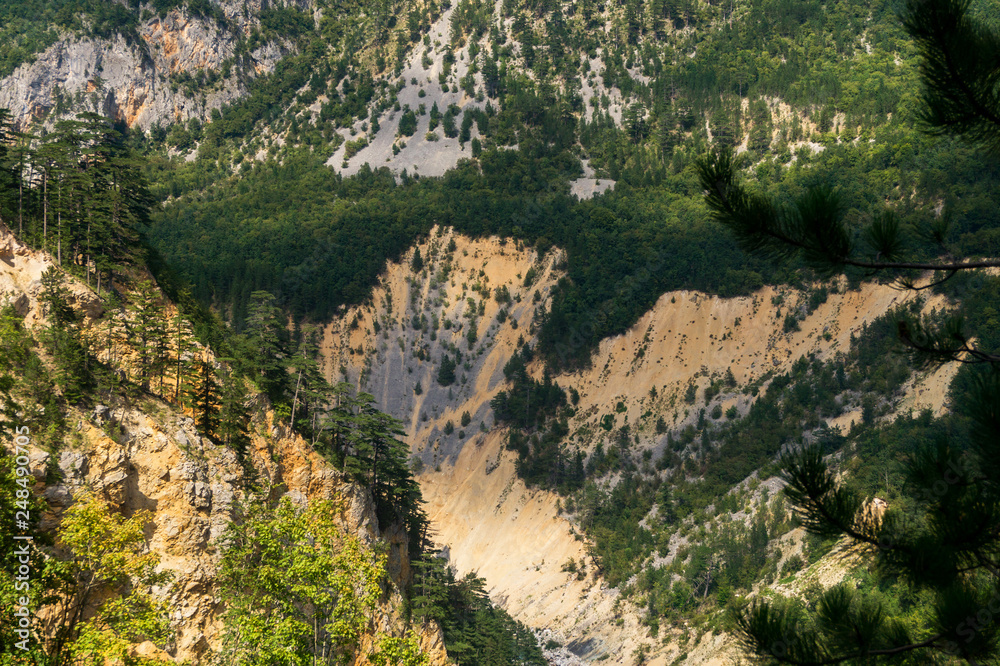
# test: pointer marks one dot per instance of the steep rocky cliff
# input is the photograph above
(137, 81)
(194, 489)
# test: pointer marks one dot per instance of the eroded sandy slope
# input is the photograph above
(514, 536)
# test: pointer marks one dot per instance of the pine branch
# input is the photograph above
(814, 229)
(826, 508)
(772, 633)
(948, 344)
(959, 69)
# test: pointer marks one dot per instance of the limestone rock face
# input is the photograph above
(21, 271)
(132, 81)
(194, 489)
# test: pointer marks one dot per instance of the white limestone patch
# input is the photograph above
(595, 93)
(420, 154)
(588, 186)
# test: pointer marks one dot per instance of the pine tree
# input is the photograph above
(204, 398)
(311, 391)
(945, 538)
(148, 334)
(446, 373)
(491, 76)
(266, 333)
(234, 416)
(62, 338)
(8, 164)
(183, 344)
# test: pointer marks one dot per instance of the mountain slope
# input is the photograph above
(171, 67)
(521, 539)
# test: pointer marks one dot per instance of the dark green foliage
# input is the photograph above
(266, 344)
(26, 387)
(79, 193)
(234, 415)
(959, 68)
(203, 396)
(476, 632)
(528, 402)
(408, 123)
(73, 362)
(285, 22)
(446, 371)
(814, 229)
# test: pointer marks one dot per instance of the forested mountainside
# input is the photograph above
(361, 253)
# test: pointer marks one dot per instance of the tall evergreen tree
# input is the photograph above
(204, 398)
(62, 338)
(266, 334)
(148, 335)
(183, 344)
(234, 415)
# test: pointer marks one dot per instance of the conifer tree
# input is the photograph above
(62, 338)
(183, 344)
(945, 538)
(265, 332)
(311, 391)
(204, 398)
(148, 335)
(234, 415)
(9, 174)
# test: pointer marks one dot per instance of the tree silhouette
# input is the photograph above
(944, 539)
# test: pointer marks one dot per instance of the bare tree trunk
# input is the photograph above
(45, 210)
(295, 400)
(20, 202)
(59, 228)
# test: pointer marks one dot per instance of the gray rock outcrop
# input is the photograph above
(137, 82)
